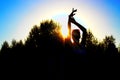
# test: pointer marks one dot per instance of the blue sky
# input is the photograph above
(17, 17)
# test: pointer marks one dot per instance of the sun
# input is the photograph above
(62, 19)
(64, 32)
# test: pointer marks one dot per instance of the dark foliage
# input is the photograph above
(44, 51)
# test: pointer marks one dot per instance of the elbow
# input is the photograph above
(85, 31)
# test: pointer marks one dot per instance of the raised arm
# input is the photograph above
(69, 29)
(69, 23)
(81, 28)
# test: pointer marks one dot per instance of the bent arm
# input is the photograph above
(69, 29)
(69, 23)
(84, 35)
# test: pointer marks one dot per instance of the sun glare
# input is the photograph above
(64, 32)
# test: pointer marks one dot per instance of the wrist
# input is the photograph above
(74, 22)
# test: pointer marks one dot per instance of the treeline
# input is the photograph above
(48, 37)
(45, 46)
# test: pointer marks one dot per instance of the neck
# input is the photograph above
(76, 43)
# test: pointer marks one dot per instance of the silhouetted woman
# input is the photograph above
(77, 46)
(76, 52)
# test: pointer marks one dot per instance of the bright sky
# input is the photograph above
(17, 17)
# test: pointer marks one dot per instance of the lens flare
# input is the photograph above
(64, 32)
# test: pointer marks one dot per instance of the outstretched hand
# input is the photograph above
(72, 13)
(71, 18)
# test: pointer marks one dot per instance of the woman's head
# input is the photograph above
(76, 35)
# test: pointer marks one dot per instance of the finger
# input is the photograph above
(75, 10)
(73, 14)
(72, 9)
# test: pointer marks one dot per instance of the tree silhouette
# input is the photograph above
(108, 40)
(47, 29)
(109, 45)
(33, 37)
(5, 48)
(47, 37)
(44, 46)
(5, 53)
(91, 43)
(14, 43)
